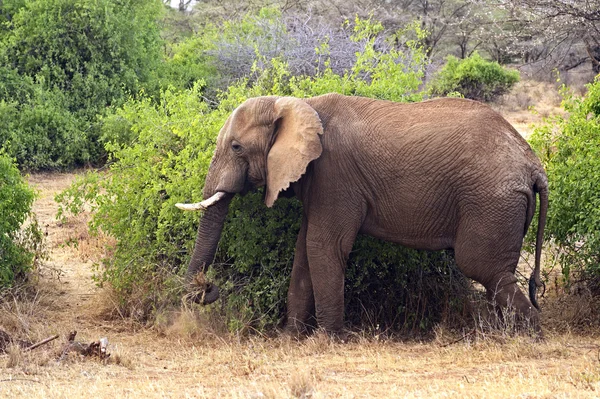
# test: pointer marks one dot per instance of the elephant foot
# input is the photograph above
(302, 331)
(294, 334)
(342, 336)
(296, 329)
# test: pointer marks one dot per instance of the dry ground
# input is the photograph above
(185, 358)
(529, 102)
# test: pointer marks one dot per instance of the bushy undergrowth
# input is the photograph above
(63, 63)
(569, 148)
(473, 77)
(18, 244)
(160, 155)
(40, 132)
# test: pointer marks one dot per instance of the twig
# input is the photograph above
(41, 343)
(461, 338)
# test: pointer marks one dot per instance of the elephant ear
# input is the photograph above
(296, 144)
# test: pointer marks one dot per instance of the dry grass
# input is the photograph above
(187, 354)
(563, 366)
(529, 102)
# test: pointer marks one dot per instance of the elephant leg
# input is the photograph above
(328, 247)
(300, 301)
(503, 292)
(487, 249)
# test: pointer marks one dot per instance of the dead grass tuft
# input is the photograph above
(318, 343)
(572, 310)
(29, 362)
(190, 324)
(15, 356)
(302, 385)
(123, 357)
(22, 312)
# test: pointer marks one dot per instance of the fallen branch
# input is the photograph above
(43, 342)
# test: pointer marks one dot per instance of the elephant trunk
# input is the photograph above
(207, 239)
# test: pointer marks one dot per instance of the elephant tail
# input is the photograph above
(541, 187)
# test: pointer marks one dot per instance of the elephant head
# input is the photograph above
(266, 141)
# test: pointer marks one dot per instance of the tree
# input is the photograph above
(562, 32)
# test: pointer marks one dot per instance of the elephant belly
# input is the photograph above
(430, 235)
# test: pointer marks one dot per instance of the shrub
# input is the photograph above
(14, 87)
(41, 133)
(473, 77)
(160, 154)
(569, 148)
(18, 246)
(98, 51)
(62, 64)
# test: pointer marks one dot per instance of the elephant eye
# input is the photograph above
(235, 146)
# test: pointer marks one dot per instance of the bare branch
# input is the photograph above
(42, 342)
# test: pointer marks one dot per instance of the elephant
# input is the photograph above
(438, 174)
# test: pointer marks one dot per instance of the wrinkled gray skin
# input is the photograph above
(440, 174)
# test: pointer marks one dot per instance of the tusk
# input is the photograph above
(202, 206)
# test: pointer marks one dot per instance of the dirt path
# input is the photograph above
(75, 287)
(183, 359)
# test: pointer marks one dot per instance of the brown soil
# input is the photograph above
(74, 287)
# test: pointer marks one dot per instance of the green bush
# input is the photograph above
(63, 63)
(96, 50)
(18, 246)
(189, 63)
(14, 87)
(473, 77)
(569, 148)
(160, 155)
(41, 133)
